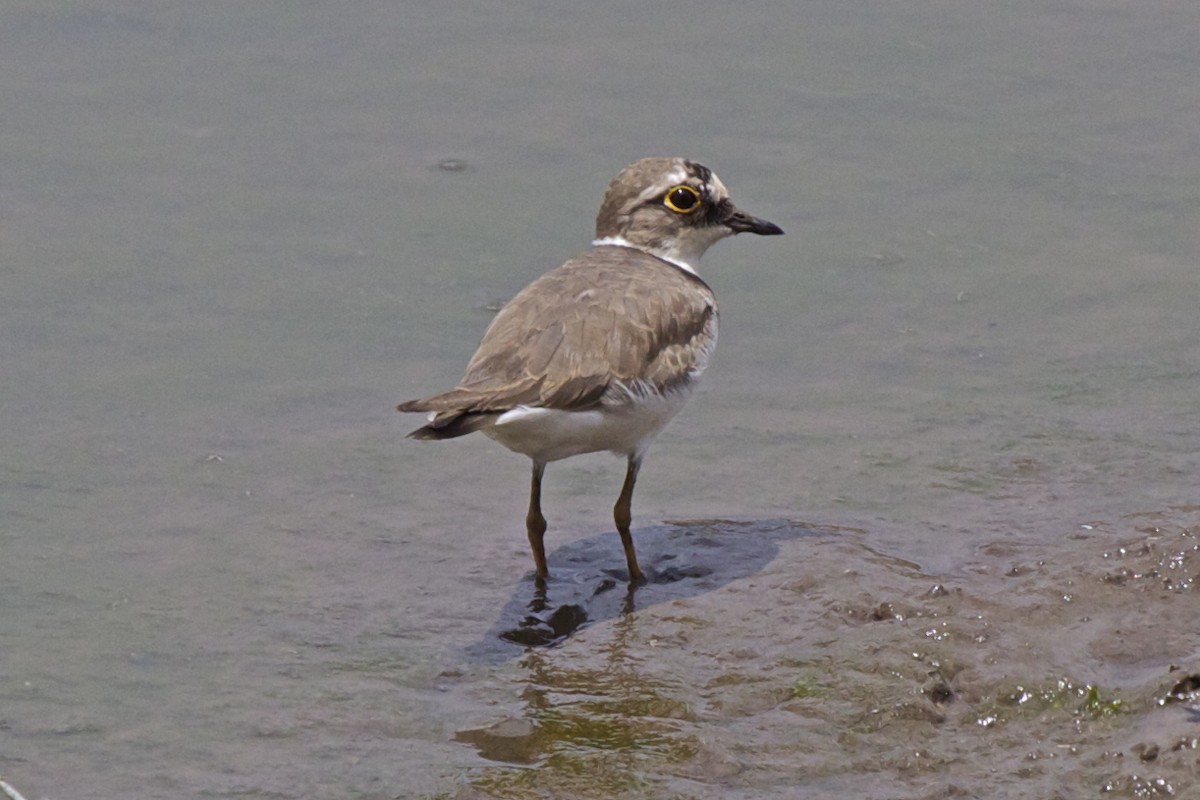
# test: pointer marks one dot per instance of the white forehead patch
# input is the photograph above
(719, 190)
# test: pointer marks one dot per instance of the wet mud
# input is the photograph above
(681, 560)
(827, 668)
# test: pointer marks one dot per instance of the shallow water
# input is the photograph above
(927, 530)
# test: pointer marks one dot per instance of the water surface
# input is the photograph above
(964, 385)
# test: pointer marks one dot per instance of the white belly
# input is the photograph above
(547, 434)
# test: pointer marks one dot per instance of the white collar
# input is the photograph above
(621, 241)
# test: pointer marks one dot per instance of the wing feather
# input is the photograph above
(655, 325)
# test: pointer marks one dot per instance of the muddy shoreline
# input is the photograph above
(1061, 670)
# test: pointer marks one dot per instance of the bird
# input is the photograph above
(600, 353)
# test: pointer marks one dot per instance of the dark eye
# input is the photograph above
(682, 199)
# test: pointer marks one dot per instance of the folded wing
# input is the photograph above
(580, 335)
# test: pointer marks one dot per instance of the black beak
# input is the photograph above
(741, 222)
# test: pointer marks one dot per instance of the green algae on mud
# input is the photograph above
(1062, 696)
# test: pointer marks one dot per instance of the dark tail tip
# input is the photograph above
(453, 427)
(428, 433)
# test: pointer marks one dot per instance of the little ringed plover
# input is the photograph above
(601, 352)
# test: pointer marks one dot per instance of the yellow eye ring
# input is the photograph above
(682, 199)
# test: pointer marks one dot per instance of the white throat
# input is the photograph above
(671, 255)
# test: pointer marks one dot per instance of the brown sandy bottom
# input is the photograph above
(1059, 670)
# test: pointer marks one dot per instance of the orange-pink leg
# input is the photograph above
(535, 523)
(623, 515)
